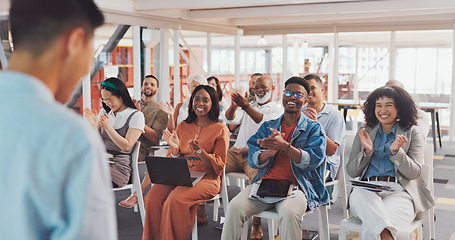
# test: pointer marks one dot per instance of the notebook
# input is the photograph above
(171, 171)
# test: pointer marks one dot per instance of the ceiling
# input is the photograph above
(313, 21)
(268, 17)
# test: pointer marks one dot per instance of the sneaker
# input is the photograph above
(219, 226)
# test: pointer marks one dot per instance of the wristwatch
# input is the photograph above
(198, 151)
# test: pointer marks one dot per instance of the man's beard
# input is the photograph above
(291, 111)
(267, 96)
(149, 95)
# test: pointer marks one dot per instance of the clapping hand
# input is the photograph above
(274, 142)
(172, 139)
(91, 117)
(167, 108)
(194, 145)
(366, 142)
(396, 145)
(239, 100)
(311, 113)
(104, 121)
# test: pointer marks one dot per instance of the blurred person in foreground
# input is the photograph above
(54, 166)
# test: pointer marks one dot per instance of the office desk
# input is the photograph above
(434, 123)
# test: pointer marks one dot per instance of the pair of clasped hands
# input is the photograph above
(174, 142)
(93, 119)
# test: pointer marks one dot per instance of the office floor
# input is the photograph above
(130, 227)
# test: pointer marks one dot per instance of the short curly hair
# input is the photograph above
(404, 104)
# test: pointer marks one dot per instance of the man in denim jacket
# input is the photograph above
(291, 147)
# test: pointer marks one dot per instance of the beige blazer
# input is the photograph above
(407, 162)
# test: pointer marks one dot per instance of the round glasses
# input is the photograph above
(289, 93)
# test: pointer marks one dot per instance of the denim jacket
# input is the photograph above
(310, 139)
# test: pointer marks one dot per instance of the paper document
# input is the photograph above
(253, 195)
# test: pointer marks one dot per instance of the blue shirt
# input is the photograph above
(310, 139)
(54, 173)
(380, 163)
(334, 126)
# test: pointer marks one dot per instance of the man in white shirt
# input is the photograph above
(250, 117)
(54, 167)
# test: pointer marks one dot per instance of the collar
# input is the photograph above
(393, 131)
(146, 103)
(324, 110)
(301, 125)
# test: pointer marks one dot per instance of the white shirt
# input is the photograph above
(248, 126)
(118, 120)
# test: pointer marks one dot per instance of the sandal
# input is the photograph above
(125, 204)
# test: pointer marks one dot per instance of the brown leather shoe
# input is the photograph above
(256, 231)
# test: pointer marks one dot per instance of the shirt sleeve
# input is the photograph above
(336, 128)
(254, 149)
(218, 156)
(159, 123)
(238, 117)
(137, 121)
(313, 149)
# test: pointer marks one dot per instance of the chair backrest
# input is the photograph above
(428, 159)
(134, 161)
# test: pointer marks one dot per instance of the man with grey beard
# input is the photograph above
(251, 116)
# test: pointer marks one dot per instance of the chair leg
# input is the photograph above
(342, 233)
(216, 206)
(271, 227)
(194, 231)
(244, 235)
(324, 233)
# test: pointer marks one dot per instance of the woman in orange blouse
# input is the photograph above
(170, 210)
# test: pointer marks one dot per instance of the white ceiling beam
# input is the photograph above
(332, 8)
(141, 5)
(359, 27)
(138, 19)
(321, 18)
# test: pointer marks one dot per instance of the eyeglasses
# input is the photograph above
(289, 93)
(107, 102)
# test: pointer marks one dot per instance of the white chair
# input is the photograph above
(136, 185)
(428, 159)
(340, 179)
(223, 194)
(353, 224)
(240, 177)
(272, 215)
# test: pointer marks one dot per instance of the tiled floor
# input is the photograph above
(130, 227)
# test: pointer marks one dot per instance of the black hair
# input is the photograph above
(313, 77)
(218, 87)
(214, 112)
(35, 25)
(151, 76)
(404, 104)
(122, 93)
(300, 81)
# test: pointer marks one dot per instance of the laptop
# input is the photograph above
(171, 171)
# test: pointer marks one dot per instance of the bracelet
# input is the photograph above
(246, 106)
(198, 151)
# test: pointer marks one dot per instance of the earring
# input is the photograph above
(398, 117)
